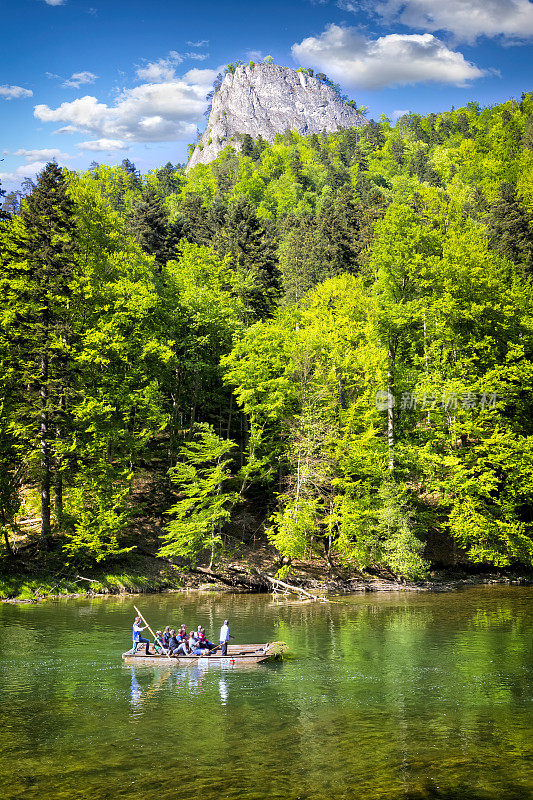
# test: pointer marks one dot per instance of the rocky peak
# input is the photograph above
(266, 99)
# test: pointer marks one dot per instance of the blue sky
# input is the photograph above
(84, 80)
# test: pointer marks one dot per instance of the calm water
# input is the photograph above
(387, 696)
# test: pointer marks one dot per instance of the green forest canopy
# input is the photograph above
(332, 332)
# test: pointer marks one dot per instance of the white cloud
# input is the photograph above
(24, 171)
(40, 155)
(10, 92)
(151, 112)
(197, 56)
(78, 79)
(400, 112)
(466, 19)
(103, 145)
(398, 59)
(201, 77)
(162, 70)
(55, 2)
(201, 43)
(347, 5)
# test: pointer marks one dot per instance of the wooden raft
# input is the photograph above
(237, 654)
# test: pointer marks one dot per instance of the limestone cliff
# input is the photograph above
(265, 99)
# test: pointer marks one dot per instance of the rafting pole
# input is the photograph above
(207, 654)
(149, 628)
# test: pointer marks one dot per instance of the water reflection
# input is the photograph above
(224, 692)
(401, 696)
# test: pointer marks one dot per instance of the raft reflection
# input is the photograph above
(385, 697)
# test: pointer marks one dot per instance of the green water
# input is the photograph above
(401, 695)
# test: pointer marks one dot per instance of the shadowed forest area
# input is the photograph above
(318, 349)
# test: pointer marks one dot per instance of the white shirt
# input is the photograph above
(224, 633)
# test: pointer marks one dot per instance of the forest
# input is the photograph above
(326, 341)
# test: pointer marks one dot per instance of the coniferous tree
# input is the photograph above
(169, 178)
(194, 216)
(36, 271)
(254, 257)
(300, 258)
(510, 230)
(338, 231)
(4, 213)
(131, 170)
(151, 226)
(247, 148)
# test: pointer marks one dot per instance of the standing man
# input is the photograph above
(137, 638)
(225, 636)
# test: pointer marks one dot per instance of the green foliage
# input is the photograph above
(201, 478)
(266, 297)
(98, 503)
(401, 547)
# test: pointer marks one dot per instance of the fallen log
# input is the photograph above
(291, 588)
(236, 578)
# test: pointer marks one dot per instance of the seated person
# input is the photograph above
(176, 646)
(166, 636)
(202, 641)
(194, 646)
(158, 643)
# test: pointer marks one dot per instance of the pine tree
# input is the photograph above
(36, 270)
(4, 214)
(169, 178)
(247, 148)
(194, 217)
(151, 226)
(254, 257)
(510, 230)
(131, 170)
(338, 231)
(300, 258)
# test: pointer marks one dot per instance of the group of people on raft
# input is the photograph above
(180, 643)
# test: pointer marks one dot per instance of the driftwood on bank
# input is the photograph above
(234, 577)
(275, 582)
(253, 580)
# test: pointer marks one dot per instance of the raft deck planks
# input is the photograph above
(237, 654)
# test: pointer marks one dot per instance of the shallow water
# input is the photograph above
(388, 696)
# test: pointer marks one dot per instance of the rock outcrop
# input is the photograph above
(265, 99)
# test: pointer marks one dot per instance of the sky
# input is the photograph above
(88, 80)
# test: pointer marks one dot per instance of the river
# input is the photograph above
(386, 696)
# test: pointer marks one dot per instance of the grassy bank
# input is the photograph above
(22, 581)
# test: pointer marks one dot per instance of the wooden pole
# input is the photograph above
(208, 652)
(149, 628)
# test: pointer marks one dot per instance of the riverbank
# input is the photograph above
(146, 574)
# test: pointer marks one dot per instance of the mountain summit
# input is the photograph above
(266, 99)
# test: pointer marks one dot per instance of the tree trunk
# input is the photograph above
(58, 491)
(192, 420)
(9, 549)
(228, 429)
(58, 482)
(390, 405)
(45, 453)
(212, 559)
